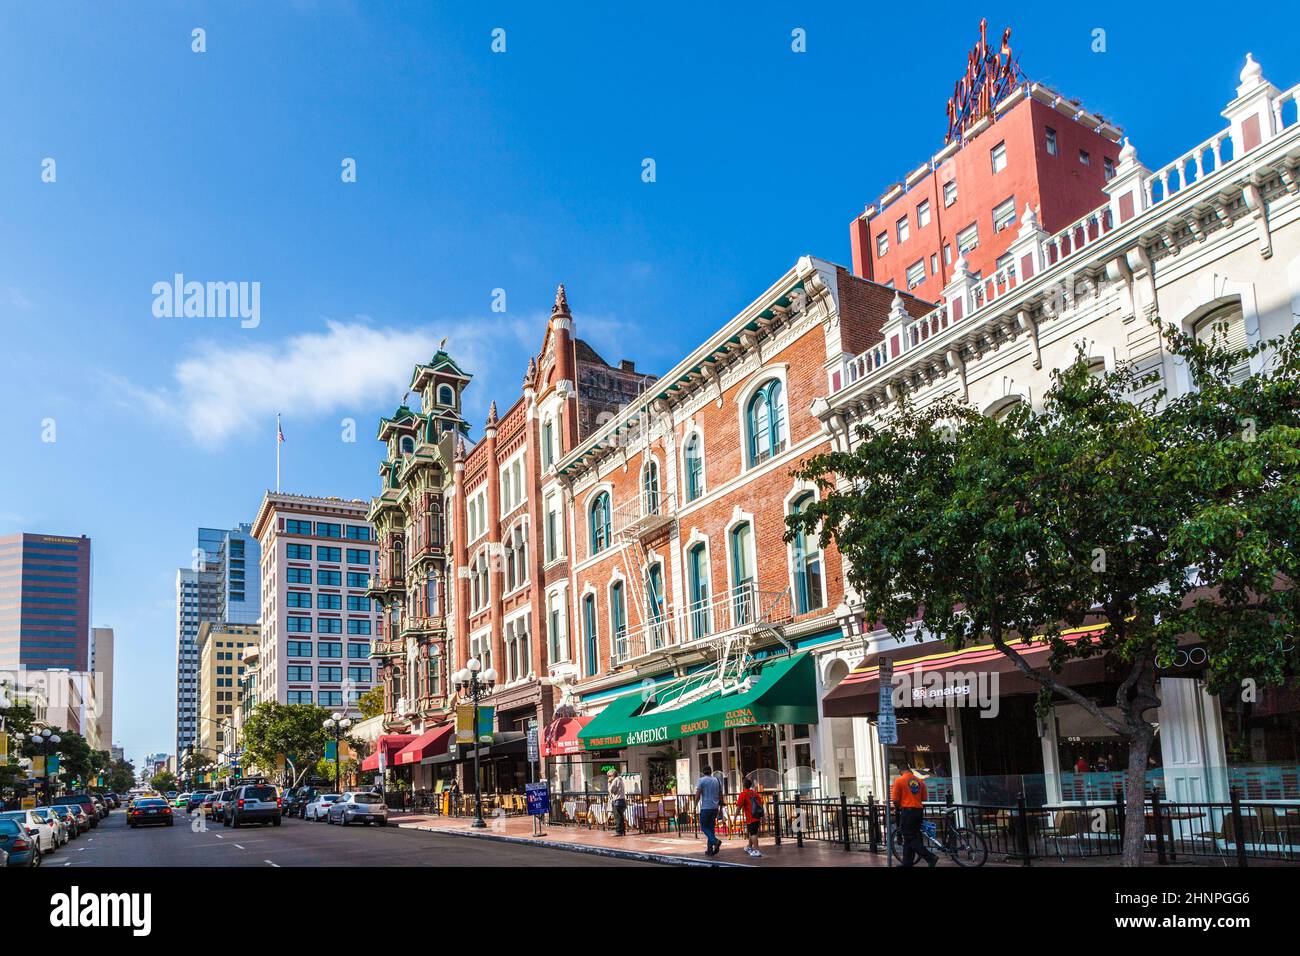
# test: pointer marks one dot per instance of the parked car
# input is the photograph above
(71, 824)
(296, 801)
(254, 803)
(196, 799)
(87, 805)
(208, 801)
(319, 808)
(180, 801)
(149, 811)
(20, 845)
(100, 806)
(61, 832)
(217, 812)
(354, 807)
(172, 794)
(44, 830)
(79, 815)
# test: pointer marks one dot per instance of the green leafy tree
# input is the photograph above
(163, 781)
(120, 777)
(371, 703)
(1158, 517)
(274, 730)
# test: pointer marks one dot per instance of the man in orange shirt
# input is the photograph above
(908, 797)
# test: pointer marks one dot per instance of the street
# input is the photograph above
(299, 843)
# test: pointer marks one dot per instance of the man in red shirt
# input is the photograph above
(908, 797)
(750, 803)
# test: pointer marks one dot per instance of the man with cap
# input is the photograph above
(617, 800)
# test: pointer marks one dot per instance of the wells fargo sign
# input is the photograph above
(988, 78)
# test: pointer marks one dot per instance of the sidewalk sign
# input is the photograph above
(538, 797)
(887, 729)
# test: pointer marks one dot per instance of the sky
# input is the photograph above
(475, 171)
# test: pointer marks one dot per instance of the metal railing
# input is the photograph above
(646, 513)
(741, 608)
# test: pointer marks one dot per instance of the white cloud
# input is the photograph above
(350, 367)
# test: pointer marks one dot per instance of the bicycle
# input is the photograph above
(962, 845)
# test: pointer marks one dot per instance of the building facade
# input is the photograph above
(222, 672)
(317, 619)
(45, 601)
(1209, 239)
(101, 667)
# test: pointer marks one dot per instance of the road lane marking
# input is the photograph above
(218, 836)
(276, 865)
(240, 847)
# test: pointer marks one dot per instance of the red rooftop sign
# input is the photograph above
(989, 77)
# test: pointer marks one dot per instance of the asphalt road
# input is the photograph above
(299, 843)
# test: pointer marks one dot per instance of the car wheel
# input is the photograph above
(171, 823)
(383, 823)
(36, 856)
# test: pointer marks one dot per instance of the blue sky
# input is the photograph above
(475, 171)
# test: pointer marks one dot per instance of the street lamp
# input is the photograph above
(474, 688)
(45, 739)
(337, 724)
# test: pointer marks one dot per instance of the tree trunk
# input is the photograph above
(1137, 695)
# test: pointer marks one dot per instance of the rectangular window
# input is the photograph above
(298, 599)
(949, 192)
(329, 625)
(358, 555)
(934, 263)
(299, 673)
(1084, 158)
(358, 652)
(968, 239)
(330, 675)
(1108, 165)
(297, 625)
(358, 532)
(923, 214)
(329, 649)
(356, 603)
(297, 575)
(360, 674)
(1004, 214)
(333, 555)
(998, 154)
(329, 602)
(947, 255)
(332, 698)
(552, 530)
(298, 697)
(358, 627)
(1051, 141)
(916, 274)
(298, 552)
(326, 530)
(903, 230)
(358, 579)
(882, 244)
(331, 579)
(294, 526)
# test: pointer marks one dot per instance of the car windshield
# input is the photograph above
(328, 798)
(259, 793)
(9, 827)
(20, 815)
(366, 798)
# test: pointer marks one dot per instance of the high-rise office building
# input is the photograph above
(222, 648)
(317, 620)
(221, 585)
(101, 669)
(45, 606)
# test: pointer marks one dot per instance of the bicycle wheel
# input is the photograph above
(896, 845)
(966, 847)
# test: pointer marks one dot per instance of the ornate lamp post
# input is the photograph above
(48, 741)
(473, 688)
(337, 724)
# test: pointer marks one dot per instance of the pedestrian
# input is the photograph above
(908, 796)
(617, 801)
(708, 794)
(750, 802)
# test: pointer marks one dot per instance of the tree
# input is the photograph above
(1160, 518)
(163, 781)
(120, 776)
(371, 703)
(296, 731)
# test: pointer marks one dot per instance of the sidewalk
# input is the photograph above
(664, 847)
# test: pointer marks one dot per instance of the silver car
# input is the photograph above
(52, 816)
(355, 807)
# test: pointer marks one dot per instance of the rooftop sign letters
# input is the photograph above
(988, 78)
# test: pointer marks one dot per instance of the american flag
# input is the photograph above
(279, 432)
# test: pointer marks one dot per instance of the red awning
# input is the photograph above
(389, 744)
(858, 695)
(561, 736)
(426, 745)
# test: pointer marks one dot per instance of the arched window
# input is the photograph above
(618, 621)
(589, 632)
(1226, 328)
(765, 420)
(433, 593)
(548, 443)
(446, 396)
(654, 600)
(742, 574)
(600, 523)
(693, 466)
(697, 579)
(650, 488)
(408, 444)
(433, 671)
(806, 558)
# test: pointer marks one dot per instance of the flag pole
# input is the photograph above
(278, 433)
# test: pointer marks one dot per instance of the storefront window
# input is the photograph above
(1261, 740)
(1093, 758)
(922, 745)
(1002, 757)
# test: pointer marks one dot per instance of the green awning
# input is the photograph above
(781, 691)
